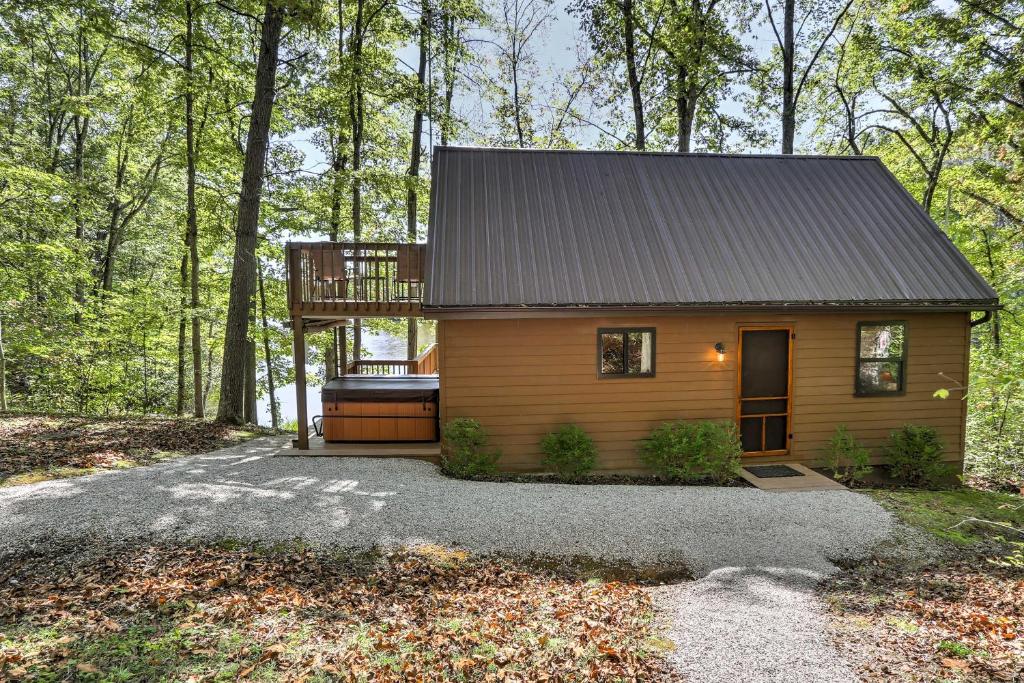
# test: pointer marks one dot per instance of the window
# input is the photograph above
(625, 352)
(881, 358)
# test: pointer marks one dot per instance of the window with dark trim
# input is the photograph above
(881, 358)
(625, 352)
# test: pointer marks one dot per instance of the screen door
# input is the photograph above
(765, 390)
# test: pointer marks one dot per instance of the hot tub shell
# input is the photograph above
(401, 408)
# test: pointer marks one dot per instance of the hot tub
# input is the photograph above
(398, 408)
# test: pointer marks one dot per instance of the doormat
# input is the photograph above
(773, 471)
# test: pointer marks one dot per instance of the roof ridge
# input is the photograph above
(634, 152)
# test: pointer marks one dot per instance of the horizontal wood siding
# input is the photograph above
(522, 378)
(358, 421)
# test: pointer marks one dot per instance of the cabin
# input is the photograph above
(619, 290)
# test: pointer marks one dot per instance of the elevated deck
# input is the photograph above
(335, 280)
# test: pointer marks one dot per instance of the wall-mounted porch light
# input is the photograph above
(720, 350)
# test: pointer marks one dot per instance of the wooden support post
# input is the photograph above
(299, 353)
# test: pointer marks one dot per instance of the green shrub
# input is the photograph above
(915, 455)
(690, 451)
(846, 457)
(568, 451)
(464, 450)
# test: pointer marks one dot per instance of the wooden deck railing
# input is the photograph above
(424, 364)
(352, 278)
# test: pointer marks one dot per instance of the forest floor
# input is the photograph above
(40, 447)
(289, 613)
(954, 612)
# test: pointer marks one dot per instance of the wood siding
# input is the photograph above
(359, 421)
(523, 377)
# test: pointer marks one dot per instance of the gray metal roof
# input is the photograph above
(512, 228)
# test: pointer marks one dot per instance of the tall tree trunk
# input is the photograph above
(516, 104)
(191, 218)
(788, 94)
(335, 364)
(451, 51)
(336, 349)
(268, 357)
(249, 411)
(179, 402)
(80, 123)
(208, 380)
(243, 272)
(356, 114)
(684, 109)
(3, 369)
(415, 155)
(113, 239)
(639, 134)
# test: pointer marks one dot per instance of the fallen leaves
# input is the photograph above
(40, 443)
(286, 615)
(960, 619)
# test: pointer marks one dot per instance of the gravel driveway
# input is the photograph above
(760, 553)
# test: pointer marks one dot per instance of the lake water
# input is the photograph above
(383, 346)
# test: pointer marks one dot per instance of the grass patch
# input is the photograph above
(36, 448)
(228, 611)
(939, 513)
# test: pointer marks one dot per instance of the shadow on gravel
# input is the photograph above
(654, 533)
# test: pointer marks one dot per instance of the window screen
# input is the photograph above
(626, 352)
(881, 358)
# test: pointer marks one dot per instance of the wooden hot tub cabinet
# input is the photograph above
(401, 408)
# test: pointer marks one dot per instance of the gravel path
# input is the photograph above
(750, 624)
(753, 616)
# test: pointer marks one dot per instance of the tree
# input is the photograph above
(611, 27)
(822, 19)
(243, 273)
(420, 96)
(191, 213)
(519, 23)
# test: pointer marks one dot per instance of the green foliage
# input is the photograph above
(848, 459)
(1015, 559)
(915, 455)
(569, 451)
(692, 451)
(464, 451)
(941, 513)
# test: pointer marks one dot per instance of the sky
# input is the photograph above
(556, 52)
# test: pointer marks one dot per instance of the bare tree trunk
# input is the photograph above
(516, 104)
(685, 108)
(243, 272)
(3, 369)
(145, 376)
(192, 221)
(334, 365)
(639, 134)
(450, 62)
(356, 114)
(179, 403)
(250, 412)
(275, 417)
(208, 381)
(81, 126)
(415, 155)
(788, 93)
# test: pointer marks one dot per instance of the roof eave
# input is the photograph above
(541, 310)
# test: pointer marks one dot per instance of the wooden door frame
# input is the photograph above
(789, 384)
